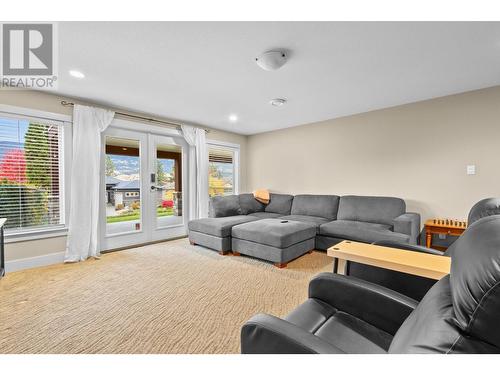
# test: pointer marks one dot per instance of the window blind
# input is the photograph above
(30, 192)
(216, 155)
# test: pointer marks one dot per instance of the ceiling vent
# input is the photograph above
(278, 102)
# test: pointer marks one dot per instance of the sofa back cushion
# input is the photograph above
(280, 204)
(382, 210)
(250, 205)
(316, 205)
(222, 206)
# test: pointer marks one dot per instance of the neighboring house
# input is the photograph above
(110, 182)
(120, 192)
(228, 188)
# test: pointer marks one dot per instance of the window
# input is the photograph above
(30, 173)
(222, 171)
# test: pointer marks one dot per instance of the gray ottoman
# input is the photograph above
(275, 240)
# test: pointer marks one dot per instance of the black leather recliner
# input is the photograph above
(459, 314)
(410, 285)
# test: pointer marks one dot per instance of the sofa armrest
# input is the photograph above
(267, 334)
(375, 304)
(410, 247)
(408, 223)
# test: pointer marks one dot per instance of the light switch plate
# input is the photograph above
(471, 169)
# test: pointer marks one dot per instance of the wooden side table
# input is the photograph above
(443, 226)
(411, 262)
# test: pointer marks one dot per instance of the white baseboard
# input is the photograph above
(39, 261)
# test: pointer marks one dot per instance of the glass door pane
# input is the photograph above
(123, 186)
(168, 177)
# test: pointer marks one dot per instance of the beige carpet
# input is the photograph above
(164, 298)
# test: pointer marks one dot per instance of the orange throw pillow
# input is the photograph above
(262, 195)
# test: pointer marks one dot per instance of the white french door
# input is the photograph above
(144, 185)
(168, 166)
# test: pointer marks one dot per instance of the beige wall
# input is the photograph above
(51, 103)
(417, 151)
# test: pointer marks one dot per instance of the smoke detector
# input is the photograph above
(271, 60)
(278, 102)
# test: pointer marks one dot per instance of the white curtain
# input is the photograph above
(88, 123)
(196, 139)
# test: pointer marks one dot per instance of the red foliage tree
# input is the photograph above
(13, 166)
(167, 204)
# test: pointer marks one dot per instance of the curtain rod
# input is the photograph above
(171, 124)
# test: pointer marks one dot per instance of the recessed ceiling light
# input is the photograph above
(278, 102)
(233, 118)
(76, 74)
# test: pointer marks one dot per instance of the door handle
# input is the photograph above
(156, 187)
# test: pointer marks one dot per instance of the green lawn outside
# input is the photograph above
(135, 215)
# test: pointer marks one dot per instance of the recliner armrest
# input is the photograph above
(375, 304)
(408, 223)
(406, 246)
(267, 334)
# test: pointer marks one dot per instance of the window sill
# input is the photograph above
(35, 235)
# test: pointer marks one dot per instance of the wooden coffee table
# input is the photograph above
(411, 262)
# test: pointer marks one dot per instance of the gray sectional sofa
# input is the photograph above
(290, 226)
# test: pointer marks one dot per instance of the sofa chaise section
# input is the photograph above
(225, 212)
(215, 232)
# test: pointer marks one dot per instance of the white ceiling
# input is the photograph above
(203, 72)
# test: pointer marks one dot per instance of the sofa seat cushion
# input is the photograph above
(273, 232)
(343, 330)
(361, 231)
(317, 221)
(280, 204)
(325, 206)
(218, 226)
(265, 215)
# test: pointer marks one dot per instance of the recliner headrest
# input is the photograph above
(483, 208)
(475, 280)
